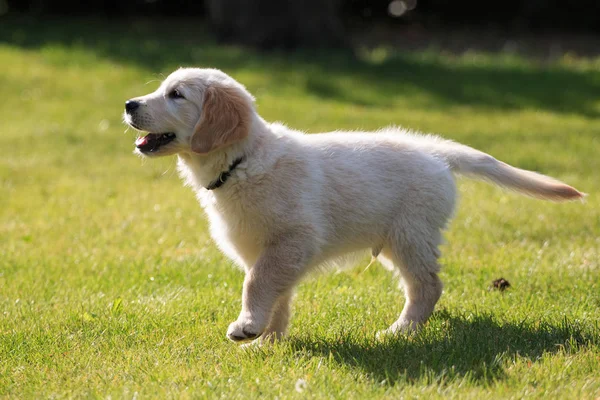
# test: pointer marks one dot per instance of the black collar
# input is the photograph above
(223, 176)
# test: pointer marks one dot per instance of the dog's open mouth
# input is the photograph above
(153, 141)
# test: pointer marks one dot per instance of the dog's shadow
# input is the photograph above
(473, 347)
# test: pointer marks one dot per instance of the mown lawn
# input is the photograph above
(110, 285)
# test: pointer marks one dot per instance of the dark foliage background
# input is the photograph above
(293, 23)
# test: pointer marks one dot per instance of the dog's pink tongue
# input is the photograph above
(141, 141)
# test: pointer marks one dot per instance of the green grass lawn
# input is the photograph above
(110, 285)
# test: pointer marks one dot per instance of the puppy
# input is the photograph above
(281, 203)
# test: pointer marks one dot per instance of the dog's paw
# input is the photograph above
(272, 337)
(398, 329)
(266, 339)
(243, 330)
(254, 345)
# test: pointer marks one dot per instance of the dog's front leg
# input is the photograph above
(280, 318)
(272, 278)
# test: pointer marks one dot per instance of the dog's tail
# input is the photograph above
(468, 161)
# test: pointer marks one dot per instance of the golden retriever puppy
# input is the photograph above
(281, 203)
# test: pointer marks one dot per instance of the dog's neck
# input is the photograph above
(199, 171)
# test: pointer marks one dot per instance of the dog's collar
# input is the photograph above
(223, 176)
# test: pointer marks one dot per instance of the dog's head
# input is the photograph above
(193, 110)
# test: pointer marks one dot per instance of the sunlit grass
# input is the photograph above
(110, 286)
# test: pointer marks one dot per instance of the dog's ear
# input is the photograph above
(225, 119)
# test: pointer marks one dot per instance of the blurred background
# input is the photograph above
(322, 23)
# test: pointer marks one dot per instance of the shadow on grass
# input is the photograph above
(475, 348)
(162, 45)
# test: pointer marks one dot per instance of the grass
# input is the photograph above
(110, 285)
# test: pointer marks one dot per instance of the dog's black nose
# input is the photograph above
(131, 105)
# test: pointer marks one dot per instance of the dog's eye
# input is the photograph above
(176, 94)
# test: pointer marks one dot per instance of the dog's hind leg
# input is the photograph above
(414, 256)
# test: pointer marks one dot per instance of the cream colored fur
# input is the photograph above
(299, 201)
